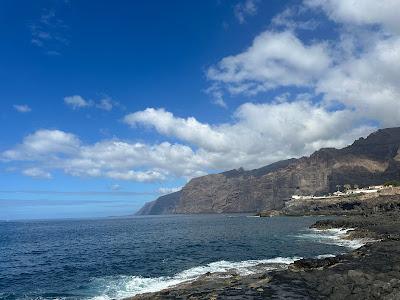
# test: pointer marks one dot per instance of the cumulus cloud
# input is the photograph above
(189, 129)
(365, 76)
(274, 59)
(115, 159)
(290, 19)
(359, 69)
(42, 144)
(136, 176)
(77, 102)
(217, 96)
(369, 83)
(105, 104)
(259, 134)
(37, 173)
(22, 108)
(361, 12)
(220, 102)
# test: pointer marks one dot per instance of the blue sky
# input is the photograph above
(106, 106)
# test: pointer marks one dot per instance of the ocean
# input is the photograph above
(115, 258)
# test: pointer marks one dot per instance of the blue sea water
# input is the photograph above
(116, 258)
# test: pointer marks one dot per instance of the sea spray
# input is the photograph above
(118, 287)
(335, 236)
(116, 258)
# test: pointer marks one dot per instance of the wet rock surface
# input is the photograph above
(370, 272)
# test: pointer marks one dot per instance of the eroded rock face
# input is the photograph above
(366, 162)
(163, 205)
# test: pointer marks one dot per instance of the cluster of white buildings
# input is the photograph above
(356, 191)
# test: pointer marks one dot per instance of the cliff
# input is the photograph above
(163, 205)
(368, 161)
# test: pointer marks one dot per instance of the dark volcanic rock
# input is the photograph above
(369, 161)
(386, 200)
(163, 205)
(370, 272)
(310, 263)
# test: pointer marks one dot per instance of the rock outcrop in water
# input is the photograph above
(368, 161)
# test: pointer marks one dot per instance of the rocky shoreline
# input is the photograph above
(369, 272)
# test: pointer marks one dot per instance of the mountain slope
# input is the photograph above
(368, 161)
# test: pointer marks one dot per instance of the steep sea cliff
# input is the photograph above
(368, 161)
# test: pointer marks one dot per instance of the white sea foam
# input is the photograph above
(325, 256)
(335, 236)
(118, 287)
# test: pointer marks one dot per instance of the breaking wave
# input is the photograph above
(122, 286)
(118, 287)
(335, 236)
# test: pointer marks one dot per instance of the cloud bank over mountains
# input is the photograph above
(334, 90)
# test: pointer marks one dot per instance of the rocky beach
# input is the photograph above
(308, 186)
(369, 272)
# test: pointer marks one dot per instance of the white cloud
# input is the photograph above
(361, 12)
(357, 74)
(147, 176)
(217, 96)
(105, 104)
(115, 159)
(245, 9)
(289, 19)
(274, 59)
(22, 108)
(369, 83)
(359, 69)
(259, 134)
(366, 73)
(188, 129)
(77, 102)
(219, 101)
(36, 173)
(42, 144)
(168, 190)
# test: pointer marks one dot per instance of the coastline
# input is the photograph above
(371, 271)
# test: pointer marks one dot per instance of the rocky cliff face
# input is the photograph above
(163, 205)
(366, 162)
